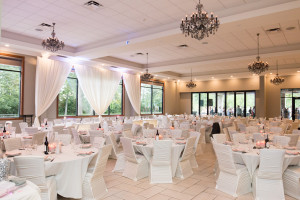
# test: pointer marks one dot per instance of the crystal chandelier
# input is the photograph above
(147, 76)
(191, 84)
(200, 25)
(52, 43)
(277, 80)
(258, 66)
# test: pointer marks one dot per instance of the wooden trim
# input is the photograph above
(22, 85)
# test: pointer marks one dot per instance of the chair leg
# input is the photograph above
(184, 169)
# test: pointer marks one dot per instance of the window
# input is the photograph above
(152, 98)
(72, 102)
(240, 103)
(290, 103)
(11, 86)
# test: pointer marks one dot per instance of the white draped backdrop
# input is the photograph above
(132, 85)
(50, 77)
(98, 85)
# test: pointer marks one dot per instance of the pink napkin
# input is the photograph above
(292, 152)
(27, 137)
(180, 142)
(86, 145)
(85, 153)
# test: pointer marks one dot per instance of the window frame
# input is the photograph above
(158, 83)
(94, 114)
(225, 105)
(21, 100)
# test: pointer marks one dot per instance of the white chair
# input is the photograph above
(184, 168)
(116, 154)
(64, 138)
(127, 126)
(135, 129)
(98, 142)
(151, 126)
(12, 144)
(251, 129)
(83, 127)
(276, 130)
(32, 169)
(76, 138)
(38, 138)
(231, 132)
(31, 130)
(267, 179)
(128, 134)
(94, 186)
(23, 125)
(281, 140)
(258, 137)
(176, 133)
(291, 183)
(185, 126)
(219, 138)
(226, 132)
(58, 129)
(136, 166)
(242, 127)
(58, 122)
(293, 139)
(160, 165)
(193, 160)
(234, 179)
(238, 137)
(149, 133)
(93, 134)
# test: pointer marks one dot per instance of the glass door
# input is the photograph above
(296, 108)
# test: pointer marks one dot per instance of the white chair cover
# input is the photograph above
(12, 144)
(39, 138)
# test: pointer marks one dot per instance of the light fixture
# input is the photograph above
(271, 73)
(298, 71)
(7, 45)
(258, 66)
(191, 84)
(52, 43)
(277, 80)
(231, 76)
(212, 77)
(200, 25)
(147, 76)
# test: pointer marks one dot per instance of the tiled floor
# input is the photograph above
(200, 186)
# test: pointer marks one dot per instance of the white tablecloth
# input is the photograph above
(28, 192)
(252, 159)
(69, 169)
(147, 151)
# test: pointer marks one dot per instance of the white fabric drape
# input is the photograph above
(133, 88)
(50, 77)
(98, 85)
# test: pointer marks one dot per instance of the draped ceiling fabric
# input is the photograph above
(133, 88)
(98, 85)
(50, 78)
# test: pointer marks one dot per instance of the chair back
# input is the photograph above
(197, 135)
(271, 164)
(38, 138)
(135, 128)
(76, 138)
(219, 138)
(128, 149)
(58, 129)
(95, 133)
(32, 169)
(258, 137)
(23, 125)
(242, 127)
(176, 133)
(185, 126)
(202, 135)
(189, 148)
(293, 139)
(149, 133)
(162, 151)
(83, 127)
(251, 129)
(64, 138)
(238, 137)
(98, 142)
(127, 126)
(225, 158)
(276, 130)
(12, 144)
(113, 142)
(31, 130)
(281, 140)
(58, 122)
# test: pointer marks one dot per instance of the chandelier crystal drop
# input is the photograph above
(277, 80)
(200, 25)
(191, 84)
(52, 43)
(147, 76)
(258, 66)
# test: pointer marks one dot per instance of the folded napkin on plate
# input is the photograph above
(291, 148)
(12, 153)
(83, 153)
(27, 137)
(180, 142)
(17, 180)
(181, 138)
(292, 152)
(141, 143)
(85, 146)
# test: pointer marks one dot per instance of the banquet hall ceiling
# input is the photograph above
(100, 35)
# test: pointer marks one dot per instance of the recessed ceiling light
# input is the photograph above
(271, 73)
(253, 74)
(298, 71)
(168, 77)
(178, 80)
(212, 77)
(231, 76)
(204, 42)
(155, 75)
(38, 29)
(290, 28)
(183, 46)
(7, 45)
(276, 29)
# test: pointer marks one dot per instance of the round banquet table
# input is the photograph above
(28, 192)
(150, 121)
(251, 159)
(147, 151)
(68, 167)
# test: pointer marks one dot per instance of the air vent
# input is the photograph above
(139, 54)
(113, 67)
(183, 46)
(273, 30)
(204, 42)
(93, 5)
(290, 28)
